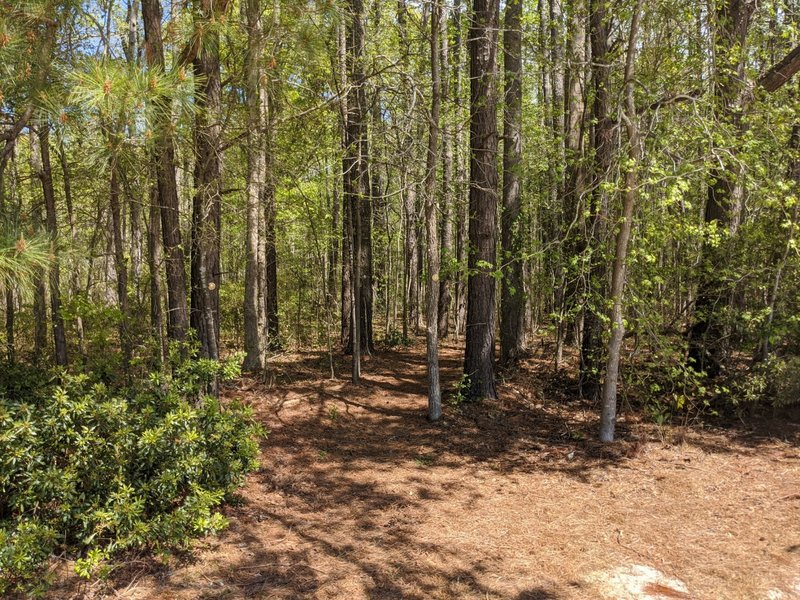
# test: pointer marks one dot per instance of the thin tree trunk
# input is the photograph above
(479, 353)
(256, 166)
(608, 416)
(120, 268)
(74, 280)
(46, 178)
(270, 284)
(155, 258)
(347, 225)
(5, 218)
(432, 318)
(461, 184)
(411, 258)
(333, 246)
(445, 296)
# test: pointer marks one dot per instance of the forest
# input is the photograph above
(400, 299)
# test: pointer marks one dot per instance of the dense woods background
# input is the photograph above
(614, 184)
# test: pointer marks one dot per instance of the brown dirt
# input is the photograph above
(360, 497)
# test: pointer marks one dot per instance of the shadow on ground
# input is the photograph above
(347, 470)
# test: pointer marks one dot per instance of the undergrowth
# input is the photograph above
(89, 472)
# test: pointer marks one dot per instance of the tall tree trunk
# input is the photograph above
(445, 296)
(479, 353)
(120, 268)
(461, 187)
(46, 177)
(408, 189)
(74, 280)
(164, 158)
(254, 343)
(574, 184)
(608, 416)
(206, 213)
(270, 283)
(333, 247)
(6, 218)
(366, 207)
(356, 180)
(155, 258)
(707, 335)
(603, 146)
(432, 300)
(355, 175)
(347, 226)
(512, 299)
(558, 78)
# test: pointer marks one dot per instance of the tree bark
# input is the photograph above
(432, 300)
(154, 260)
(120, 267)
(512, 300)
(6, 217)
(603, 145)
(446, 254)
(46, 177)
(608, 415)
(206, 213)
(163, 157)
(254, 343)
(461, 184)
(479, 352)
(355, 175)
(574, 183)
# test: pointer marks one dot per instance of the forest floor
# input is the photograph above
(360, 497)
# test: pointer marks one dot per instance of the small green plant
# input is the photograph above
(333, 413)
(460, 389)
(394, 338)
(774, 381)
(425, 460)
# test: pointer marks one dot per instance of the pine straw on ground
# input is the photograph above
(360, 497)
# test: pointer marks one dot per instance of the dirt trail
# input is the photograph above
(359, 497)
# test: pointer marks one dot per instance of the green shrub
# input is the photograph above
(93, 472)
(394, 338)
(775, 381)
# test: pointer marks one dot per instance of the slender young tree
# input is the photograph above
(608, 415)
(256, 95)
(431, 220)
(46, 178)
(120, 265)
(479, 354)
(448, 195)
